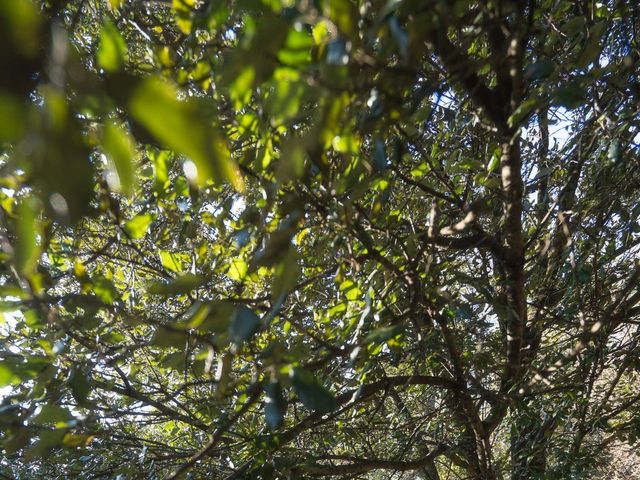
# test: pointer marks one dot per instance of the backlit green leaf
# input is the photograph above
(237, 269)
(112, 49)
(7, 374)
(120, 149)
(173, 261)
(27, 248)
(181, 126)
(138, 226)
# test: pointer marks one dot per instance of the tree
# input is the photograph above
(330, 238)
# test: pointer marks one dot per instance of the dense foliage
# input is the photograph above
(262, 239)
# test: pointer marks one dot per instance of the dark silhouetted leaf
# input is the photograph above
(614, 153)
(244, 325)
(275, 405)
(311, 392)
(380, 160)
(540, 69)
(571, 95)
(80, 386)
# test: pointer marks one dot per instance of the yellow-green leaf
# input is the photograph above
(182, 127)
(237, 269)
(120, 149)
(7, 374)
(27, 249)
(183, 10)
(178, 286)
(116, 4)
(112, 50)
(138, 226)
(344, 14)
(172, 260)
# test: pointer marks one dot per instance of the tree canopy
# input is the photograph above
(355, 239)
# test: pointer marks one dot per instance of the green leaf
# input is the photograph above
(112, 49)
(17, 441)
(173, 260)
(183, 13)
(182, 126)
(344, 14)
(104, 289)
(297, 48)
(160, 170)
(120, 149)
(284, 101)
(594, 45)
(614, 154)
(381, 335)
(240, 88)
(167, 337)
(27, 249)
(138, 226)
(178, 286)
(76, 440)
(116, 4)
(7, 374)
(52, 414)
(380, 160)
(12, 117)
(494, 162)
(48, 439)
(286, 274)
(572, 95)
(237, 269)
(311, 392)
(80, 386)
(574, 25)
(213, 317)
(351, 290)
(540, 69)
(244, 325)
(523, 111)
(275, 405)
(291, 164)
